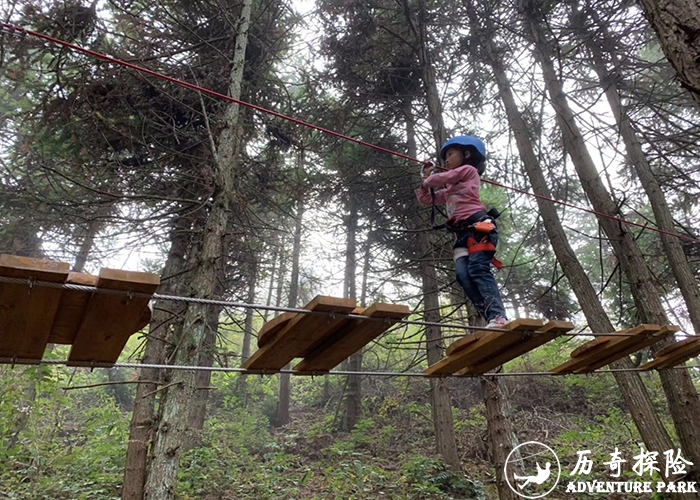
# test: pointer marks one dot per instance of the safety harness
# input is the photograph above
(475, 232)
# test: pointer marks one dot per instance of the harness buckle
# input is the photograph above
(484, 226)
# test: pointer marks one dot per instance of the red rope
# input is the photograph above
(12, 29)
(612, 217)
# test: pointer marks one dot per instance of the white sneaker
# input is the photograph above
(497, 322)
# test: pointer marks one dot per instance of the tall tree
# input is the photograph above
(680, 392)
(165, 323)
(172, 429)
(285, 379)
(638, 402)
(606, 65)
(353, 401)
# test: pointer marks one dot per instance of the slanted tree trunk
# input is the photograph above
(680, 392)
(198, 405)
(677, 24)
(86, 245)
(166, 315)
(285, 379)
(662, 213)
(173, 428)
(636, 397)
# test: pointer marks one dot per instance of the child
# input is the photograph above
(474, 247)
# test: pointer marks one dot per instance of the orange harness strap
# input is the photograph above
(483, 246)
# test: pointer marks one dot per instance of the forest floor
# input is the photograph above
(73, 445)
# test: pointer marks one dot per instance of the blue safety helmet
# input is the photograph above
(467, 141)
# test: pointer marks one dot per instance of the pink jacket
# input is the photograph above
(461, 194)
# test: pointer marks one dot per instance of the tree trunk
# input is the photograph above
(198, 410)
(276, 253)
(23, 416)
(636, 397)
(680, 392)
(86, 246)
(500, 431)
(441, 402)
(119, 391)
(353, 401)
(662, 213)
(173, 429)
(248, 325)
(250, 312)
(285, 379)
(677, 24)
(143, 417)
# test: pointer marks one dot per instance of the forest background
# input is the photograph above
(104, 166)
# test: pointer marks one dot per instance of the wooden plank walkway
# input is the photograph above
(324, 341)
(97, 325)
(485, 350)
(674, 354)
(605, 349)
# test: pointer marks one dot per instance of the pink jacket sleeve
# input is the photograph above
(424, 196)
(460, 174)
(463, 173)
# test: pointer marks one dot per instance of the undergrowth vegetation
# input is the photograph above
(71, 444)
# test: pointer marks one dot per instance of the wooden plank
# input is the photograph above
(330, 333)
(270, 329)
(13, 266)
(27, 313)
(352, 337)
(83, 279)
(109, 320)
(495, 343)
(465, 341)
(606, 348)
(669, 349)
(302, 332)
(624, 347)
(689, 351)
(673, 355)
(548, 332)
(585, 353)
(71, 309)
(486, 346)
(589, 348)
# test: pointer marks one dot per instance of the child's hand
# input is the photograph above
(427, 169)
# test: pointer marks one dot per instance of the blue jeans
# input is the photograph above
(475, 277)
